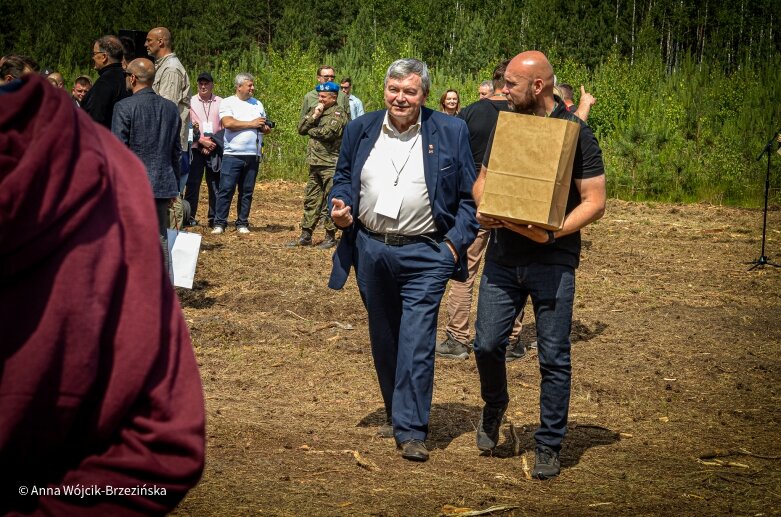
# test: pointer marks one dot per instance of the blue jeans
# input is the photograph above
(237, 171)
(503, 293)
(401, 288)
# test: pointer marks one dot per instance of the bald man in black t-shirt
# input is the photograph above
(527, 260)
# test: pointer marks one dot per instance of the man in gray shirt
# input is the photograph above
(172, 83)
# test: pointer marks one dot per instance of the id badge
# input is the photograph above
(389, 203)
(208, 129)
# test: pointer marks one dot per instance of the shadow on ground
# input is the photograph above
(447, 422)
(196, 298)
(580, 438)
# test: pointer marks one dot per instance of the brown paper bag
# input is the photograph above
(530, 169)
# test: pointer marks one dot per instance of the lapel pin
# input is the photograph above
(430, 149)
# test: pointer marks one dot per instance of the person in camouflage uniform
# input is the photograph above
(323, 124)
(325, 73)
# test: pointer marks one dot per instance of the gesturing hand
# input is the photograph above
(341, 214)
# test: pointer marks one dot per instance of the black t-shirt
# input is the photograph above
(512, 249)
(480, 118)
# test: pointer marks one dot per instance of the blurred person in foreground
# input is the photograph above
(99, 387)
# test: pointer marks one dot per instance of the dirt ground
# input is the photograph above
(675, 396)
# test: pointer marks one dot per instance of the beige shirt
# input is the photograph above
(395, 166)
(171, 82)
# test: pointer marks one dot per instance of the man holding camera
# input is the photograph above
(323, 124)
(245, 123)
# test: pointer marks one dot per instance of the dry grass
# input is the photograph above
(675, 351)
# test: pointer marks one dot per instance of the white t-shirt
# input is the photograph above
(246, 141)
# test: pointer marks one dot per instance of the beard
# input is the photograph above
(525, 104)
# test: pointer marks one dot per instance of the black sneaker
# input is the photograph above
(488, 427)
(328, 243)
(304, 240)
(385, 430)
(546, 463)
(452, 348)
(515, 350)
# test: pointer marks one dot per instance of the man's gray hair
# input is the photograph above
(244, 76)
(487, 83)
(401, 68)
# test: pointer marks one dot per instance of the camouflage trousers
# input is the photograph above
(321, 178)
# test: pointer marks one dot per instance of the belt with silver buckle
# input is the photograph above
(396, 239)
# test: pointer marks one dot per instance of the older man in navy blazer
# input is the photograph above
(402, 195)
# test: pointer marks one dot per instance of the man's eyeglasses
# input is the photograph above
(99, 52)
(328, 76)
(128, 74)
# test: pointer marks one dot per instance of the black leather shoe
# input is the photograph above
(414, 450)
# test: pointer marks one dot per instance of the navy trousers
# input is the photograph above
(192, 193)
(401, 288)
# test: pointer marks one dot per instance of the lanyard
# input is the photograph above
(204, 104)
(409, 153)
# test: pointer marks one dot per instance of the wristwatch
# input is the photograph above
(551, 237)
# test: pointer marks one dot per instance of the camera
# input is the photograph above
(270, 123)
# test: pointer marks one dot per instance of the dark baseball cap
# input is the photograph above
(206, 76)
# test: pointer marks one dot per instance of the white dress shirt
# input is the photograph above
(395, 168)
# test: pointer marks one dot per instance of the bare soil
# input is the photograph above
(675, 361)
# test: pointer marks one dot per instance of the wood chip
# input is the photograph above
(527, 473)
(456, 511)
(516, 440)
(364, 463)
(296, 315)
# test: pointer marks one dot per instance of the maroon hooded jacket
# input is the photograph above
(99, 386)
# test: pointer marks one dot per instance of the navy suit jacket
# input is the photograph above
(149, 125)
(449, 171)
